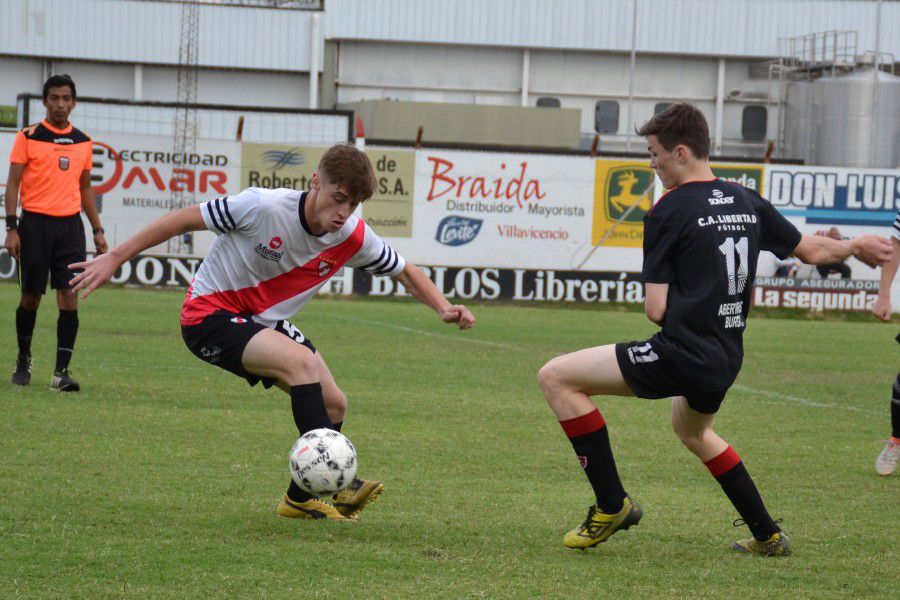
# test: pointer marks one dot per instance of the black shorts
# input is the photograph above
(649, 369)
(220, 340)
(49, 246)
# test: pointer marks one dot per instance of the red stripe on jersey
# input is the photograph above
(255, 300)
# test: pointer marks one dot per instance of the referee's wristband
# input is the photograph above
(12, 222)
(97, 230)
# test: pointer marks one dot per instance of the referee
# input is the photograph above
(50, 168)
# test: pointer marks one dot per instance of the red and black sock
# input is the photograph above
(729, 471)
(895, 410)
(590, 440)
(25, 329)
(66, 330)
(308, 407)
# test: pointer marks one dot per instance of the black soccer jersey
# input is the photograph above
(703, 239)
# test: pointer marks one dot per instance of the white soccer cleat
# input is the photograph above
(886, 463)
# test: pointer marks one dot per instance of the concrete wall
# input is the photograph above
(461, 123)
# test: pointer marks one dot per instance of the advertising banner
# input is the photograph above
(619, 185)
(278, 165)
(466, 283)
(820, 197)
(390, 210)
(842, 202)
(749, 176)
(502, 210)
(135, 176)
(815, 294)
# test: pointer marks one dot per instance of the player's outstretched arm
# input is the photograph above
(819, 250)
(423, 290)
(882, 308)
(96, 272)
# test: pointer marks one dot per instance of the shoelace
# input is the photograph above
(739, 522)
(589, 525)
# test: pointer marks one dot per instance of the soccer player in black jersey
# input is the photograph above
(701, 243)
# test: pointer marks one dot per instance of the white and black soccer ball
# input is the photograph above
(323, 462)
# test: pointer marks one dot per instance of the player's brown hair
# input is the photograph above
(348, 167)
(679, 124)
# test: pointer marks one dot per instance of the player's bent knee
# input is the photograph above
(550, 376)
(692, 439)
(302, 369)
(336, 405)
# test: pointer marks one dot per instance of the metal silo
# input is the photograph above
(851, 120)
(799, 140)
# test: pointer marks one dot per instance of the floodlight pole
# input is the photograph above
(628, 124)
(875, 60)
(314, 60)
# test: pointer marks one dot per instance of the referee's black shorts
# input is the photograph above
(49, 245)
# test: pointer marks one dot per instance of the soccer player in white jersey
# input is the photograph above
(274, 250)
(886, 463)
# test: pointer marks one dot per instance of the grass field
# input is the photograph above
(159, 480)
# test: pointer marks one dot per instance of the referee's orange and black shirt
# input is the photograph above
(54, 160)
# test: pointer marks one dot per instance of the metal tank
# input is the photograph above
(836, 121)
(798, 134)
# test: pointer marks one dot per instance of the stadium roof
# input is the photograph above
(748, 28)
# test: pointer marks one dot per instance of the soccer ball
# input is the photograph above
(323, 462)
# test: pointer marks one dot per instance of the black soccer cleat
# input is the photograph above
(22, 374)
(61, 382)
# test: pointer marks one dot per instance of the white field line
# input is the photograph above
(779, 397)
(430, 333)
(789, 399)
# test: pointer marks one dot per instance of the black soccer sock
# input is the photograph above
(66, 330)
(895, 410)
(337, 426)
(25, 329)
(590, 440)
(729, 471)
(308, 407)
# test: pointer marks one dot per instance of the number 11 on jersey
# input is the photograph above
(736, 280)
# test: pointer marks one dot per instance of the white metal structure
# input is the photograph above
(629, 55)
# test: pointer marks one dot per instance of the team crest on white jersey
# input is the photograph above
(325, 266)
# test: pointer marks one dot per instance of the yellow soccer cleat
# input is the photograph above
(599, 526)
(777, 545)
(356, 496)
(311, 509)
